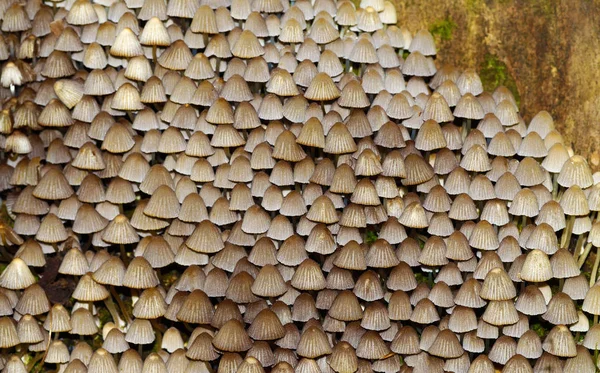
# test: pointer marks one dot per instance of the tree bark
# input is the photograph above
(546, 51)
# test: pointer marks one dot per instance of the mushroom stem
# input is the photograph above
(34, 361)
(114, 294)
(584, 255)
(43, 357)
(566, 236)
(159, 330)
(516, 219)
(3, 252)
(110, 305)
(123, 254)
(561, 284)
(595, 269)
(130, 116)
(344, 29)
(466, 128)
(154, 58)
(427, 156)
(554, 186)
(55, 247)
(422, 238)
(578, 247)
(158, 326)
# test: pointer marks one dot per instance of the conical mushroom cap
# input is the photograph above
(232, 337)
(53, 186)
(322, 88)
(247, 46)
(120, 231)
(16, 275)
(313, 343)
(206, 238)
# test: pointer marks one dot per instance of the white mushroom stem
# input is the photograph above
(466, 128)
(110, 305)
(566, 236)
(584, 255)
(595, 269)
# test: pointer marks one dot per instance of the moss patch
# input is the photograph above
(104, 316)
(371, 237)
(494, 73)
(443, 29)
(5, 217)
(423, 278)
(540, 330)
(473, 5)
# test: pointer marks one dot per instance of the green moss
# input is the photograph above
(494, 73)
(443, 29)
(104, 316)
(5, 217)
(421, 278)
(97, 342)
(170, 277)
(472, 5)
(540, 330)
(371, 237)
(545, 7)
(37, 367)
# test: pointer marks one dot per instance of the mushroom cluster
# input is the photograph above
(241, 186)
